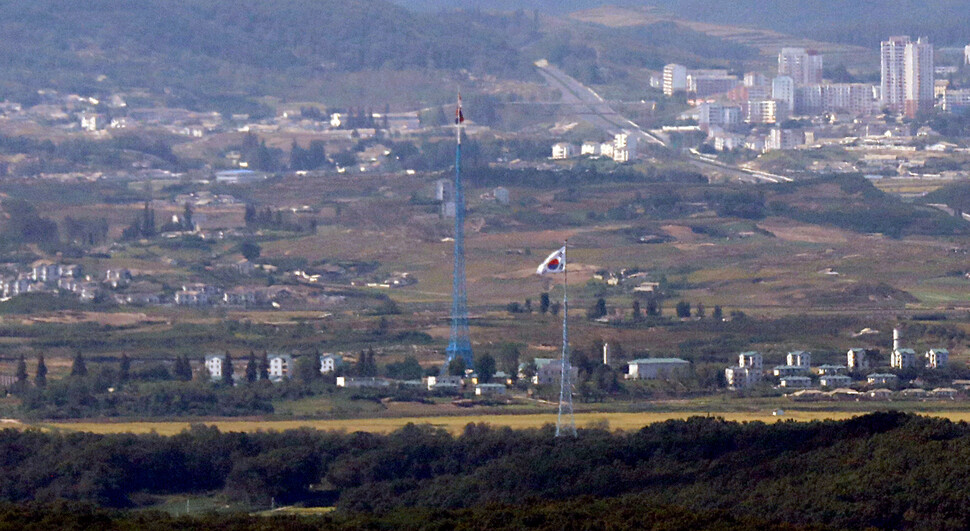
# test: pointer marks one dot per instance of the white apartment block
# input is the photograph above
(799, 358)
(854, 98)
(624, 147)
(956, 100)
(563, 150)
(803, 66)
(762, 112)
(779, 139)
(783, 90)
(937, 358)
(751, 359)
(329, 362)
(718, 115)
(741, 377)
(280, 366)
(590, 148)
(674, 79)
(214, 364)
(703, 83)
(902, 358)
(755, 79)
(855, 359)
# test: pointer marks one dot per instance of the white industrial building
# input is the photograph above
(652, 368)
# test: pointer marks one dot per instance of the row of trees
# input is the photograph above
(872, 471)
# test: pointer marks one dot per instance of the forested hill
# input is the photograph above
(252, 46)
(862, 22)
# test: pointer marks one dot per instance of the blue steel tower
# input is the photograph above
(459, 345)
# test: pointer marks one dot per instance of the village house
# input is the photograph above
(280, 367)
(330, 362)
(214, 364)
(549, 371)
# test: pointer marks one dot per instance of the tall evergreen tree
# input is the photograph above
(183, 368)
(202, 375)
(124, 369)
(252, 371)
(264, 367)
(227, 370)
(22, 372)
(79, 368)
(40, 379)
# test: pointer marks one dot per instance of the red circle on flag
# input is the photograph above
(554, 263)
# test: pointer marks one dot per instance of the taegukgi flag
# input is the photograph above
(556, 263)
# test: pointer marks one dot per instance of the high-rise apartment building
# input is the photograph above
(803, 66)
(918, 81)
(892, 66)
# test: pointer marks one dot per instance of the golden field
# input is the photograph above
(455, 424)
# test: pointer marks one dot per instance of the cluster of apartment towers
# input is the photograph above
(795, 374)
(907, 85)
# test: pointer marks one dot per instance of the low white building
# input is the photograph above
(590, 148)
(354, 382)
(796, 382)
(789, 370)
(835, 380)
(883, 379)
(652, 368)
(490, 389)
(442, 382)
(831, 369)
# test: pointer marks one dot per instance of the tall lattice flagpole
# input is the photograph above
(459, 345)
(566, 421)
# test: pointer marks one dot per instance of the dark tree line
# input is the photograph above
(874, 471)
